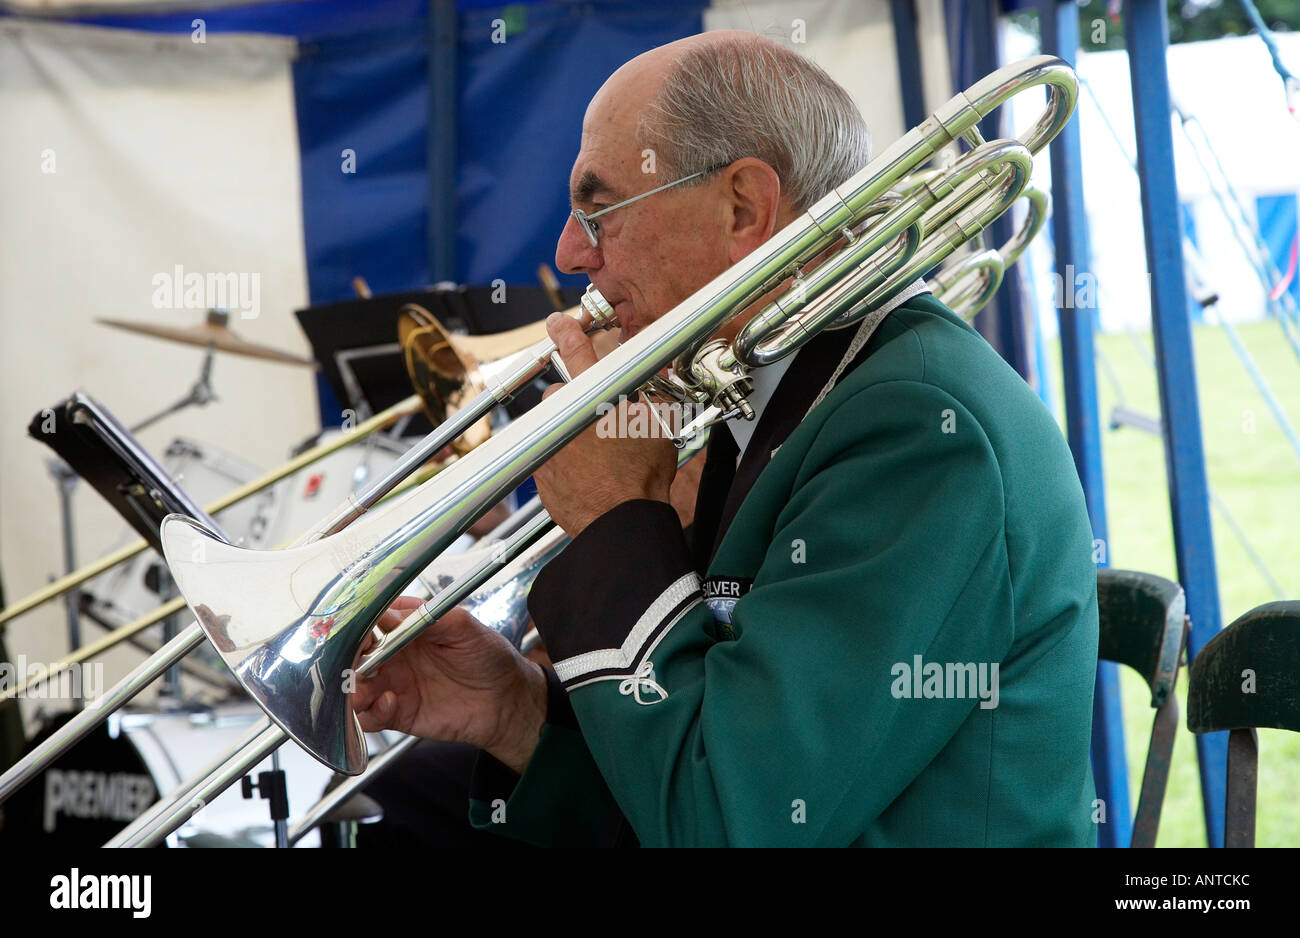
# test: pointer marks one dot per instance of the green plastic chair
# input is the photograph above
(1143, 625)
(1245, 677)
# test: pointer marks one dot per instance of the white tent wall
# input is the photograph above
(1229, 85)
(125, 154)
(854, 42)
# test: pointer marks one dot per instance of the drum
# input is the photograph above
(83, 798)
(309, 494)
(177, 745)
(103, 783)
(206, 473)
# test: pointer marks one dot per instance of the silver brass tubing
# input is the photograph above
(98, 710)
(420, 619)
(171, 812)
(164, 817)
(316, 813)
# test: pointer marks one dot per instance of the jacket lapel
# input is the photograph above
(786, 409)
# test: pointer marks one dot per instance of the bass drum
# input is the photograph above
(310, 493)
(83, 798)
(177, 745)
(95, 789)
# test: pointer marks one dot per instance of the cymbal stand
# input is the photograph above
(200, 393)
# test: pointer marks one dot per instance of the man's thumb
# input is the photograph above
(573, 344)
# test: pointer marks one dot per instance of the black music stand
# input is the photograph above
(87, 437)
(355, 340)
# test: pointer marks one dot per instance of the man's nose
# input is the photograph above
(573, 252)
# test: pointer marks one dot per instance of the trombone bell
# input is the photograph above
(449, 370)
(283, 650)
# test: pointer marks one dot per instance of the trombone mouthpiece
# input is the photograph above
(597, 309)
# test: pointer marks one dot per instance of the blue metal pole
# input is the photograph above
(442, 140)
(1059, 27)
(908, 51)
(1148, 38)
(1006, 308)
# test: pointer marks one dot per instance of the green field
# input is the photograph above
(1256, 475)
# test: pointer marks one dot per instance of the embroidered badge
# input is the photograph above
(643, 679)
(722, 593)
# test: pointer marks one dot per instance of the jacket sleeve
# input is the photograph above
(792, 724)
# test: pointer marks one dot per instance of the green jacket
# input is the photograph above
(926, 515)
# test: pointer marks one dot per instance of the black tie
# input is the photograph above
(715, 482)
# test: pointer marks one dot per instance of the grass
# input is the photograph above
(1255, 472)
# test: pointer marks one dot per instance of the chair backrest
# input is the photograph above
(1141, 618)
(1249, 674)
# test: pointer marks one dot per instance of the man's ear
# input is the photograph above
(753, 194)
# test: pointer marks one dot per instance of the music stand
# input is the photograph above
(87, 437)
(355, 340)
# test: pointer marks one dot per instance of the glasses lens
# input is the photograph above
(588, 226)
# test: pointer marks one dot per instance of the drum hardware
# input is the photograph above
(270, 786)
(342, 788)
(213, 334)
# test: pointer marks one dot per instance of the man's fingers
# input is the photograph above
(396, 613)
(573, 344)
(378, 716)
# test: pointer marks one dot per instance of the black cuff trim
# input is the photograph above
(591, 596)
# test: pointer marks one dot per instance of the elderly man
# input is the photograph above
(882, 629)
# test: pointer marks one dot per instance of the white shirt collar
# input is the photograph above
(765, 382)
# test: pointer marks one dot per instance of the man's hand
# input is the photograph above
(593, 474)
(458, 681)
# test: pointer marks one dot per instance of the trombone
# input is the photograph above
(293, 621)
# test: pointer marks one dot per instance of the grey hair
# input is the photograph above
(730, 99)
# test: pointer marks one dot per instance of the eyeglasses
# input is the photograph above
(588, 222)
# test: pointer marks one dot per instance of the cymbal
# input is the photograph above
(214, 332)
